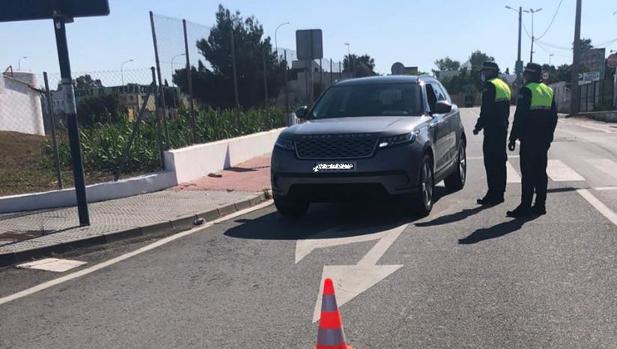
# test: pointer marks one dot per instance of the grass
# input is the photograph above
(26, 169)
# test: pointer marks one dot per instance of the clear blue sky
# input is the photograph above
(414, 32)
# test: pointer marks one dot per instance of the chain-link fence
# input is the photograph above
(243, 76)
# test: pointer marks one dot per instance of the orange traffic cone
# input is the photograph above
(331, 334)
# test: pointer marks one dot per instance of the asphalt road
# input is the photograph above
(463, 277)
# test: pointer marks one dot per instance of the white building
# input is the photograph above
(20, 104)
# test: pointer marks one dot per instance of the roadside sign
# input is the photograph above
(593, 65)
(611, 62)
(25, 10)
(309, 44)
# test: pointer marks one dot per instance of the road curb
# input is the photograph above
(159, 229)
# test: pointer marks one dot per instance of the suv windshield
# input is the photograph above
(370, 100)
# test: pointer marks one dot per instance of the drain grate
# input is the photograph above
(16, 236)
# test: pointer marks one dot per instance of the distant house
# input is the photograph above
(131, 96)
(20, 104)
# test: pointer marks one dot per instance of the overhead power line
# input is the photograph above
(552, 21)
(557, 47)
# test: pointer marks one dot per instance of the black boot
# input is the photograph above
(520, 212)
(490, 200)
(539, 209)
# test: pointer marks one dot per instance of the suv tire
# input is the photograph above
(422, 201)
(456, 181)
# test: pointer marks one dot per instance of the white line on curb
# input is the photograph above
(126, 256)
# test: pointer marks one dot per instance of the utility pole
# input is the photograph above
(574, 98)
(533, 38)
(518, 67)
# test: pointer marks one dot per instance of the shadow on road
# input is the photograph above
(494, 232)
(327, 221)
(452, 218)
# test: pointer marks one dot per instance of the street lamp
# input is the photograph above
(353, 67)
(19, 62)
(549, 58)
(122, 69)
(533, 38)
(276, 45)
(172, 65)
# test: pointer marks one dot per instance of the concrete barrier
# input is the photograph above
(199, 160)
(95, 192)
(606, 116)
(183, 165)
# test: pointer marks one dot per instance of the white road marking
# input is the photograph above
(513, 176)
(598, 205)
(590, 127)
(52, 264)
(605, 165)
(351, 280)
(125, 256)
(482, 157)
(560, 172)
(605, 188)
(305, 247)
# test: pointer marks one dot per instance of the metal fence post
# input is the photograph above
(286, 81)
(265, 79)
(233, 66)
(160, 84)
(54, 139)
(189, 82)
(157, 106)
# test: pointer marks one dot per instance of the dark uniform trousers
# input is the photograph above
(495, 157)
(534, 160)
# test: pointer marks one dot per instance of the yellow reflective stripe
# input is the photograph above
(502, 90)
(541, 96)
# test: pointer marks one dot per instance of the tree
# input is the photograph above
(447, 64)
(215, 86)
(585, 45)
(85, 82)
(359, 66)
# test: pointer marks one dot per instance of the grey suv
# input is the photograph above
(370, 138)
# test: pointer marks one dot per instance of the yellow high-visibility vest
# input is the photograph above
(541, 96)
(502, 90)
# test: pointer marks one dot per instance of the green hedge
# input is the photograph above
(103, 144)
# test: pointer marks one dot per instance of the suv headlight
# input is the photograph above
(389, 141)
(285, 144)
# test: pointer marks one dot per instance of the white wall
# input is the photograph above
(95, 192)
(20, 106)
(197, 161)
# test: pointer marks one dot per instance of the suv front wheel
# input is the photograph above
(423, 200)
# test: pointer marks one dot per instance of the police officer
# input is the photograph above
(534, 125)
(493, 119)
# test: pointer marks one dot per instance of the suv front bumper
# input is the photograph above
(389, 172)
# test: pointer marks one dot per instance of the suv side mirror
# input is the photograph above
(302, 112)
(442, 107)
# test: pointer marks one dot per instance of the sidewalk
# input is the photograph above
(28, 235)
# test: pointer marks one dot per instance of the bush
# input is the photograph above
(103, 144)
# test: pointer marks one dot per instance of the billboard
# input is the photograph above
(593, 65)
(24, 10)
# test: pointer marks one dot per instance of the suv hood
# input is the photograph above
(386, 125)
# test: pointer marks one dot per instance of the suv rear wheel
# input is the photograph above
(290, 208)
(456, 181)
(423, 200)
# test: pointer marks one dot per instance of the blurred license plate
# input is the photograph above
(334, 167)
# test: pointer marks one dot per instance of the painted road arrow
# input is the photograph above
(351, 280)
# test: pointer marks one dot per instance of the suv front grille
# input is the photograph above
(337, 146)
